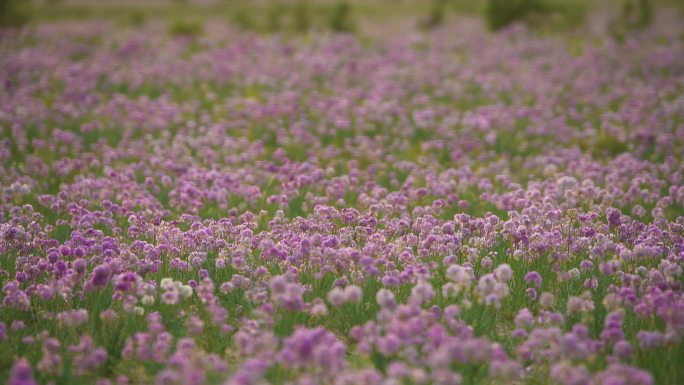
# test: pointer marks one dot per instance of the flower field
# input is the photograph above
(455, 207)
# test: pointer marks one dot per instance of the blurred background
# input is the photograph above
(363, 17)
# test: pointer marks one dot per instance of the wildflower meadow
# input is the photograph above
(197, 204)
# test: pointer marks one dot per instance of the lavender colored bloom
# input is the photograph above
(422, 293)
(21, 373)
(385, 299)
(101, 275)
(278, 283)
(313, 348)
(523, 318)
(353, 294)
(623, 350)
(504, 273)
(336, 296)
(534, 278)
(546, 300)
(613, 216)
(649, 340)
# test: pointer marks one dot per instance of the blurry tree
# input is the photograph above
(243, 19)
(187, 28)
(436, 16)
(136, 18)
(637, 14)
(302, 16)
(556, 15)
(502, 13)
(274, 17)
(341, 17)
(14, 13)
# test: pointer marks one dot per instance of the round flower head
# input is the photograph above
(503, 273)
(422, 293)
(450, 290)
(534, 278)
(353, 294)
(166, 283)
(185, 291)
(574, 305)
(147, 300)
(613, 216)
(170, 297)
(21, 373)
(460, 275)
(546, 300)
(101, 275)
(385, 299)
(336, 296)
(277, 283)
(318, 308)
(524, 318)
(623, 350)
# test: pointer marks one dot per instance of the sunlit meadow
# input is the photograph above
(212, 203)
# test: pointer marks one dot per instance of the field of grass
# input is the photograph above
(226, 193)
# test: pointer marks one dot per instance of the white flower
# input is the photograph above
(185, 291)
(147, 300)
(166, 283)
(503, 273)
(460, 275)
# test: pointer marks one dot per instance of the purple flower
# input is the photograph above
(21, 373)
(313, 348)
(649, 340)
(353, 294)
(534, 278)
(613, 216)
(523, 318)
(336, 296)
(101, 275)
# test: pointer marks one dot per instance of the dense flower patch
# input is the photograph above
(441, 209)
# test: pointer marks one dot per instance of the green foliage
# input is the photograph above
(301, 16)
(556, 15)
(606, 144)
(242, 19)
(14, 13)
(185, 27)
(137, 18)
(436, 16)
(502, 13)
(634, 16)
(274, 18)
(341, 17)
(637, 14)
